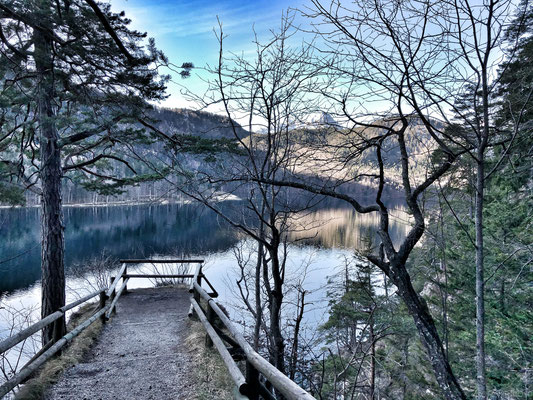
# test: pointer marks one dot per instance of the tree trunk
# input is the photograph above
(480, 283)
(405, 364)
(277, 350)
(443, 268)
(296, 334)
(52, 253)
(372, 359)
(428, 333)
(258, 303)
(502, 297)
(483, 138)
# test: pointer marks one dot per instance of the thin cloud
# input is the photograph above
(188, 19)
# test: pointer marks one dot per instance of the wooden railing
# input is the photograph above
(53, 346)
(258, 370)
(108, 298)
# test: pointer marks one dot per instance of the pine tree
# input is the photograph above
(355, 325)
(78, 78)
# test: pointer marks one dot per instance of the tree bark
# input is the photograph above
(277, 351)
(258, 303)
(405, 363)
(428, 333)
(296, 334)
(372, 359)
(483, 139)
(480, 283)
(52, 253)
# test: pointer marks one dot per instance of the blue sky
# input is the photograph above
(183, 29)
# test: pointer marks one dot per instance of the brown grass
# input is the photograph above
(212, 378)
(51, 371)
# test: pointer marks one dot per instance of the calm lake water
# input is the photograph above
(185, 230)
(142, 231)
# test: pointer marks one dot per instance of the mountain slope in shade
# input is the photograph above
(197, 123)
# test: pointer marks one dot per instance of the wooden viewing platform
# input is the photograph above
(141, 352)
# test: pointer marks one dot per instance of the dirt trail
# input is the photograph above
(140, 353)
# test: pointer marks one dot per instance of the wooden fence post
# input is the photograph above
(125, 273)
(196, 295)
(103, 298)
(57, 331)
(211, 318)
(112, 296)
(252, 378)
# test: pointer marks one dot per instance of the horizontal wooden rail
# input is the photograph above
(24, 334)
(280, 381)
(38, 354)
(31, 368)
(81, 300)
(233, 369)
(176, 276)
(169, 261)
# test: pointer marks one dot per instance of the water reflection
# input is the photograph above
(343, 227)
(141, 231)
(325, 237)
(122, 232)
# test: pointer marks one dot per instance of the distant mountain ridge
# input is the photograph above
(182, 121)
(321, 120)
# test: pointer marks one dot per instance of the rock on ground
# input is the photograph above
(140, 353)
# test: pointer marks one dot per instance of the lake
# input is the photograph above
(176, 230)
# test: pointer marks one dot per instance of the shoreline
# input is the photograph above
(158, 202)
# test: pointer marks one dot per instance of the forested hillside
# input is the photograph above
(132, 182)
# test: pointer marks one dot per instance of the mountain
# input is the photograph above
(322, 119)
(311, 122)
(197, 123)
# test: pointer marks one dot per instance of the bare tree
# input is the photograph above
(95, 272)
(388, 54)
(398, 68)
(268, 90)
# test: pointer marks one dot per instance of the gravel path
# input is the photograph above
(140, 353)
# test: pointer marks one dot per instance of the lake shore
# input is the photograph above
(219, 197)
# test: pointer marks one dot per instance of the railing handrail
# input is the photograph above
(104, 312)
(280, 381)
(52, 347)
(234, 371)
(162, 261)
(117, 296)
(160, 276)
(29, 369)
(15, 339)
(114, 284)
(255, 361)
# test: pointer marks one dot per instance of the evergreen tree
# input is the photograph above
(356, 323)
(76, 78)
(507, 229)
